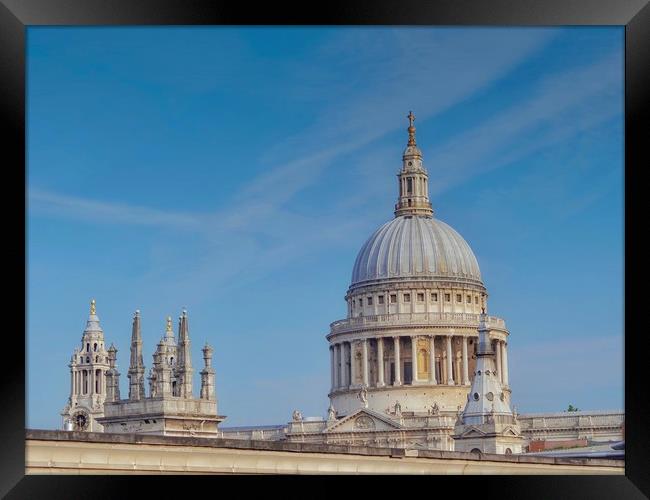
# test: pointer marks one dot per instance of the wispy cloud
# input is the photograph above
(41, 201)
(562, 105)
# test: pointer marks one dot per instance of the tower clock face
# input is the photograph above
(80, 420)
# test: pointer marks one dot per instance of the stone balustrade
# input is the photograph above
(413, 319)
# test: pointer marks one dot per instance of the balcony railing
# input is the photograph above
(424, 319)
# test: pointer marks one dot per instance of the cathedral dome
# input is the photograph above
(416, 247)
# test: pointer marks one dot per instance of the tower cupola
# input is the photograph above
(413, 180)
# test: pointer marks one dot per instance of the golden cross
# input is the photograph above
(411, 118)
(92, 306)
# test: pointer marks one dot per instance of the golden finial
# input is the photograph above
(92, 306)
(169, 324)
(411, 129)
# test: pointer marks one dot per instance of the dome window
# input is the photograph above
(459, 298)
(407, 297)
(420, 297)
(469, 299)
(447, 297)
(380, 299)
(369, 301)
(476, 300)
(434, 297)
(360, 302)
(476, 396)
(393, 298)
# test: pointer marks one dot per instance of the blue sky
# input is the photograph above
(237, 172)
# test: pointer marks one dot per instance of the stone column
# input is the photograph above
(343, 376)
(450, 367)
(332, 369)
(380, 362)
(71, 381)
(353, 365)
(398, 375)
(504, 360)
(498, 361)
(465, 363)
(364, 362)
(335, 367)
(432, 359)
(414, 359)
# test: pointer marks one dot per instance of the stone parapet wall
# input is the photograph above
(61, 452)
(593, 425)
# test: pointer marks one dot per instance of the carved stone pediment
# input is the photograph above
(472, 432)
(363, 420)
(509, 431)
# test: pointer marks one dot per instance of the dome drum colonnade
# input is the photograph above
(414, 306)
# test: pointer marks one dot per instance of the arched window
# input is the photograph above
(88, 347)
(87, 359)
(476, 450)
(171, 360)
(96, 359)
(95, 347)
(508, 451)
(97, 385)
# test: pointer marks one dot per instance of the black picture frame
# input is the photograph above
(17, 15)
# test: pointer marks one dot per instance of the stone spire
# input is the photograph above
(486, 394)
(207, 375)
(413, 180)
(163, 371)
(112, 377)
(93, 328)
(184, 371)
(487, 424)
(169, 332)
(136, 367)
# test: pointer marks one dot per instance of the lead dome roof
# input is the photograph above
(415, 247)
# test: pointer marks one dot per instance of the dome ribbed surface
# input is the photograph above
(415, 247)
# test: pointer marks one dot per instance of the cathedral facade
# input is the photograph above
(417, 363)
